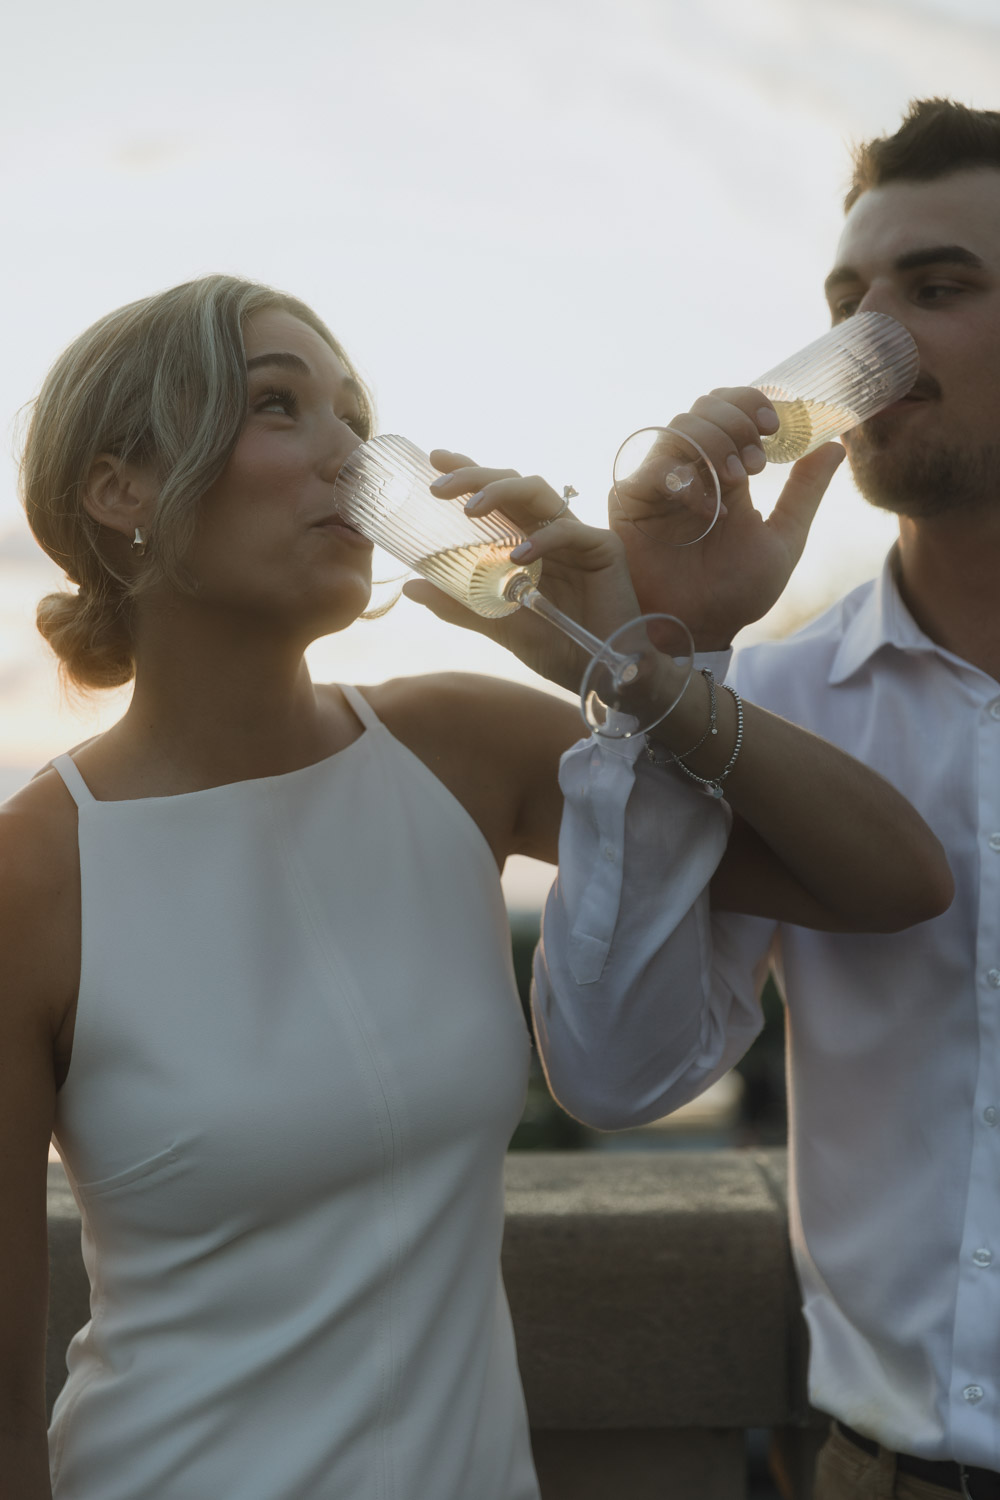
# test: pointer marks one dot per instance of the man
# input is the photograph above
(894, 1041)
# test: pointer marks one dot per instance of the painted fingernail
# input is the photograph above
(734, 469)
(440, 481)
(523, 550)
(767, 420)
(474, 501)
(754, 459)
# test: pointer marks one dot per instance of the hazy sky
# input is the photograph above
(535, 225)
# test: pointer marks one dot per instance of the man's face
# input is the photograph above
(928, 253)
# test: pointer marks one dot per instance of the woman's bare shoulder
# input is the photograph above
(495, 745)
(38, 848)
(473, 704)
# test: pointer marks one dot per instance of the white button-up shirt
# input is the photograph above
(642, 1000)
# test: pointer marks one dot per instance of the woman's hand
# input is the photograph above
(740, 569)
(584, 570)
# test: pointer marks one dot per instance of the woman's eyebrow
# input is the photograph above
(286, 361)
(289, 361)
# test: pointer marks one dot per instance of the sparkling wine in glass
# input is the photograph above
(382, 491)
(672, 493)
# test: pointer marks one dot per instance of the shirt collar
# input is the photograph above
(881, 620)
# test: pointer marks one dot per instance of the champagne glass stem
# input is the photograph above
(522, 591)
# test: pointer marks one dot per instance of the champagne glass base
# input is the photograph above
(623, 692)
(666, 485)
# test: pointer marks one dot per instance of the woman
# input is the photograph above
(257, 961)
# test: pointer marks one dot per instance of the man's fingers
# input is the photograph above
(798, 502)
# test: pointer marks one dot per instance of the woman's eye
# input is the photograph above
(279, 400)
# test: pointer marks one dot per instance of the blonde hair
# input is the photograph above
(160, 382)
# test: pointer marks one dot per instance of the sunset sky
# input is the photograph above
(535, 226)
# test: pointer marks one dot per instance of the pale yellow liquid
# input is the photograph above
(478, 576)
(804, 426)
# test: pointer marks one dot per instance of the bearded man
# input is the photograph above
(893, 1041)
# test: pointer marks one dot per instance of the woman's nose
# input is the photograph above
(339, 444)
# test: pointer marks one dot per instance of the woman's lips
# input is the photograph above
(343, 531)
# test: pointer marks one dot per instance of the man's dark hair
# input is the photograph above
(936, 137)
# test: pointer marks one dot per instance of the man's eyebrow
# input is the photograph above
(913, 260)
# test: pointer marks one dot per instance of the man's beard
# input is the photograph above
(921, 482)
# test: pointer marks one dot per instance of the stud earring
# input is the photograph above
(139, 542)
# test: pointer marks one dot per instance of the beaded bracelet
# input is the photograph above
(712, 784)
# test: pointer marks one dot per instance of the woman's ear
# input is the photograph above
(119, 494)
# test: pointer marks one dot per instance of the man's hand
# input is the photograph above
(740, 569)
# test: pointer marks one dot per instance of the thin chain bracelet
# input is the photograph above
(709, 677)
(712, 784)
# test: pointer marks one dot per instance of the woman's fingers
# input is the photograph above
(591, 547)
(445, 460)
(529, 501)
(444, 606)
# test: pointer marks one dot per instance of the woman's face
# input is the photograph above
(267, 541)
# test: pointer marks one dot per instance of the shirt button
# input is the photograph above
(982, 1257)
(609, 854)
(995, 842)
(994, 709)
(991, 1114)
(993, 975)
(973, 1393)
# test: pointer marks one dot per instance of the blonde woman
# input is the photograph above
(256, 963)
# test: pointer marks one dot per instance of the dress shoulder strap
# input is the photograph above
(75, 784)
(361, 706)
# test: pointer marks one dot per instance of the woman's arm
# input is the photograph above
(819, 839)
(823, 841)
(29, 904)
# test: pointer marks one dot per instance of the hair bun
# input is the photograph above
(90, 636)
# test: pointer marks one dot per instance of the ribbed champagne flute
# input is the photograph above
(668, 486)
(382, 491)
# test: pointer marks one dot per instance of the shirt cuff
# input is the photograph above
(716, 662)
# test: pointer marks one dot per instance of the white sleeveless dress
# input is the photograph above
(299, 1056)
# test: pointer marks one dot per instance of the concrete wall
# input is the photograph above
(656, 1312)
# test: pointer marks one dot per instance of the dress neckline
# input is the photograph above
(79, 790)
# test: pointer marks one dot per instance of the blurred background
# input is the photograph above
(536, 226)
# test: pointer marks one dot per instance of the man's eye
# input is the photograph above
(845, 308)
(934, 291)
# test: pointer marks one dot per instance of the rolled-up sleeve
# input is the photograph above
(640, 999)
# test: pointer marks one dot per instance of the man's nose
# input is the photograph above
(882, 298)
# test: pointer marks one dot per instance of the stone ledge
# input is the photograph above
(653, 1290)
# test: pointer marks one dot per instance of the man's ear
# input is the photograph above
(119, 494)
